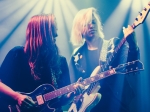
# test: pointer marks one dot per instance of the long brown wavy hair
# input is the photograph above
(40, 44)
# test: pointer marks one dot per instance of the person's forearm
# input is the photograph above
(8, 91)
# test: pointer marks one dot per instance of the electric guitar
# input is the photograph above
(44, 96)
(90, 98)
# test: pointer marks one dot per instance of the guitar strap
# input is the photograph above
(103, 52)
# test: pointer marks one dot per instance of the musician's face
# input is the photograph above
(90, 30)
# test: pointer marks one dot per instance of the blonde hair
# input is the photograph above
(82, 18)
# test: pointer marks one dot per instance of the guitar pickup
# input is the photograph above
(40, 99)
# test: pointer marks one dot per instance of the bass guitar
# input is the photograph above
(90, 98)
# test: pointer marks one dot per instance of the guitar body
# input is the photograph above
(87, 103)
(37, 97)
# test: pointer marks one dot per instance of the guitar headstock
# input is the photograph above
(130, 67)
(142, 16)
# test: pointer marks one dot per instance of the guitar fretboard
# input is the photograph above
(112, 56)
(71, 88)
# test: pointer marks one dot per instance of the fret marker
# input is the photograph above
(112, 71)
(84, 82)
(102, 75)
(92, 79)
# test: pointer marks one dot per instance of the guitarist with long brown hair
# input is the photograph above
(28, 67)
(115, 91)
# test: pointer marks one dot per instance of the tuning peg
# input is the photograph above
(136, 19)
(133, 62)
(145, 9)
(140, 13)
(129, 63)
(110, 67)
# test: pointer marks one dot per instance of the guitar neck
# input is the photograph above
(121, 69)
(98, 77)
(138, 20)
(112, 56)
(59, 92)
(70, 88)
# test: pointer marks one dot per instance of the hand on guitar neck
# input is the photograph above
(78, 87)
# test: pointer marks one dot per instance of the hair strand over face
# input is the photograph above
(82, 18)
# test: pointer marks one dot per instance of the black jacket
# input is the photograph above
(116, 90)
(15, 72)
